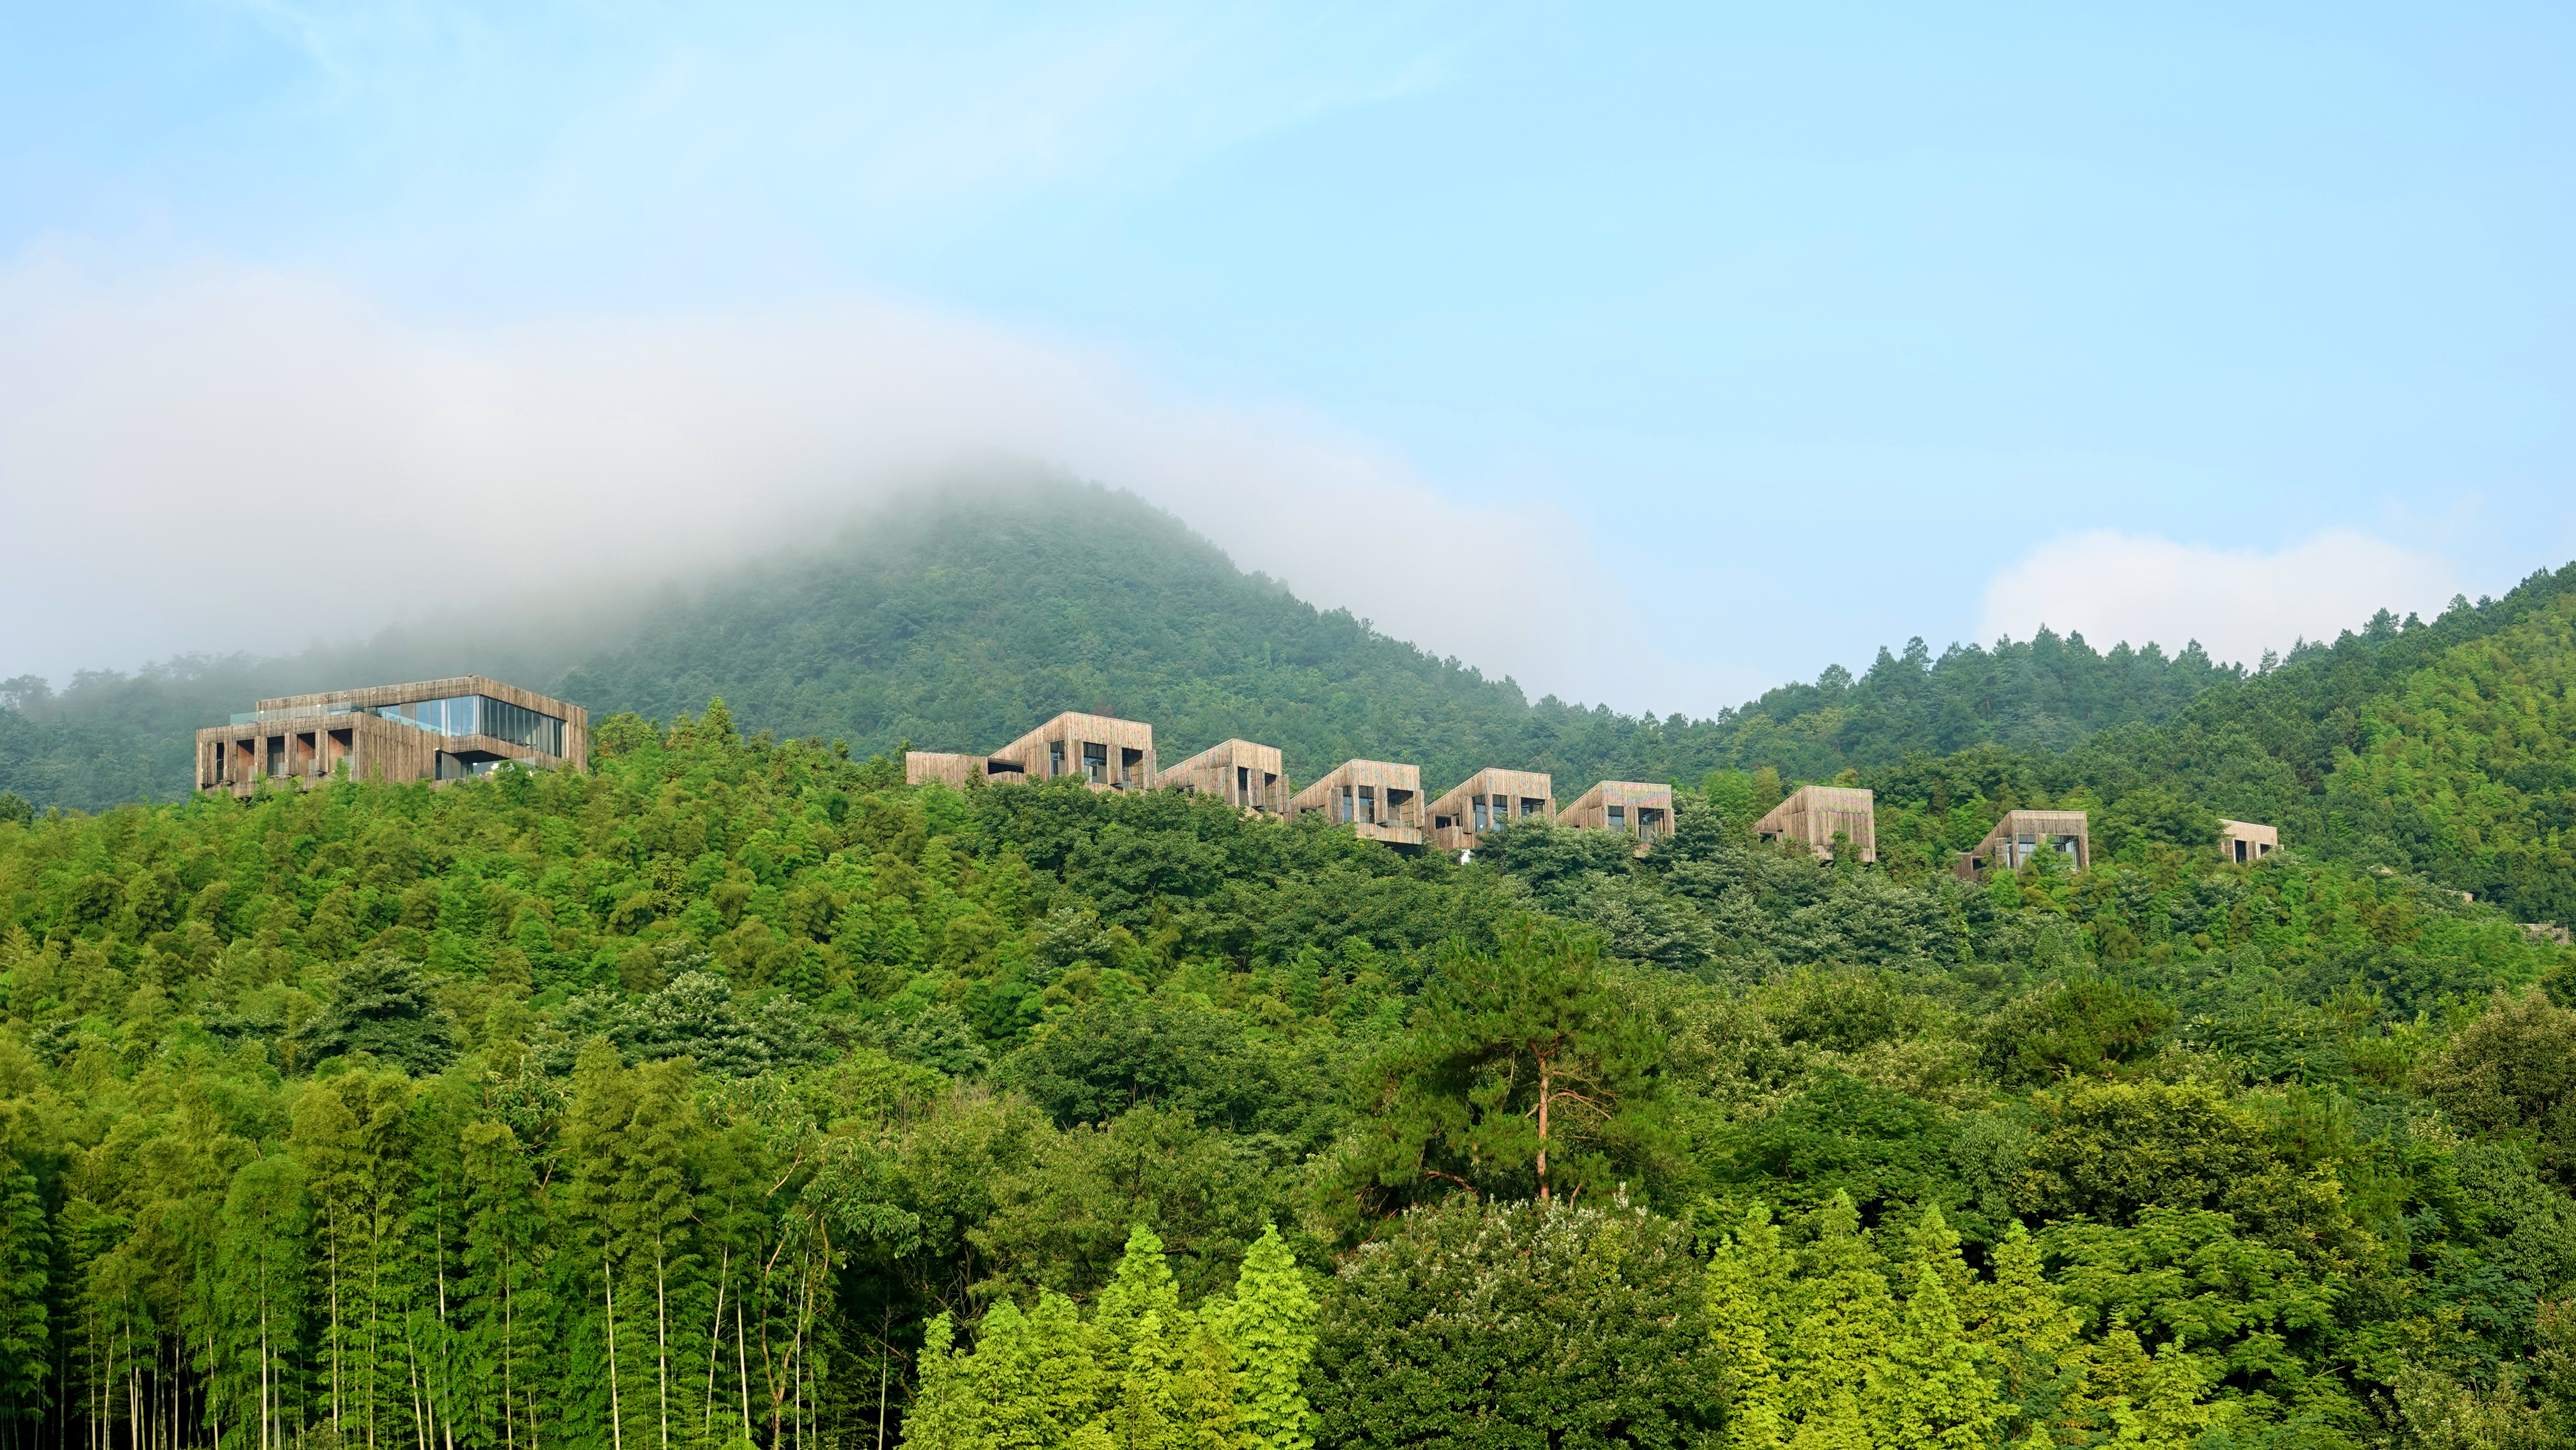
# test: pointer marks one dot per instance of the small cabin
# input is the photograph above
(2021, 835)
(2245, 841)
(1103, 751)
(1814, 813)
(1251, 777)
(1625, 807)
(1487, 799)
(1378, 800)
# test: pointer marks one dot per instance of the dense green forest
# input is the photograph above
(737, 1093)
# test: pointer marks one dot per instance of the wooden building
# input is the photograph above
(1628, 807)
(1379, 800)
(1813, 813)
(1253, 777)
(2021, 835)
(432, 730)
(956, 770)
(1109, 753)
(1487, 799)
(2243, 841)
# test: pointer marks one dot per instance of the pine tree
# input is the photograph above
(1140, 1287)
(1847, 1317)
(1932, 1391)
(1270, 1327)
(2029, 1332)
(1740, 1322)
(1148, 1413)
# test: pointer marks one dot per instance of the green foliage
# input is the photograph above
(2158, 816)
(1522, 1073)
(720, 1094)
(1485, 1324)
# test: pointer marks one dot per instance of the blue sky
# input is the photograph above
(1700, 346)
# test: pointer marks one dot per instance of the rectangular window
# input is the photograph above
(1095, 763)
(1532, 806)
(1243, 785)
(1368, 804)
(1055, 758)
(1619, 819)
(1347, 816)
(1479, 804)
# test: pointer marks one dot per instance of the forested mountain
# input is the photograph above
(738, 1093)
(957, 621)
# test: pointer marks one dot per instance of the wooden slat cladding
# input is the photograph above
(1110, 753)
(949, 769)
(1251, 776)
(2021, 835)
(1631, 807)
(307, 745)
(1485, 800)
(1813, 813)
(1379, 800)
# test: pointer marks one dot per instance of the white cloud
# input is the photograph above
(224, 459)
(2112, 586)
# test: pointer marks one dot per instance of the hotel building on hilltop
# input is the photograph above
(1813, 813)
(1378, 799)
(1627, 807)
(1249, 776)
(432, 730)
(2021, 835)
(1487, 799)
(1106, 752)
(2244, 841)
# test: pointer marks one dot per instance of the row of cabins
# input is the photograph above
(1381, 800)
(1816, 815)
(454, 728)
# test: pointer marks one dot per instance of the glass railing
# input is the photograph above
(455, 715)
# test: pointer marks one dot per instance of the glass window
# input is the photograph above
(1479, 803)
(1619, 819)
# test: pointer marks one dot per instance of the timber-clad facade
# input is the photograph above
(1814, 813)
(434, 730)
(1487, 799)
(1628, 807)
(1380, 800)
(1253, 777)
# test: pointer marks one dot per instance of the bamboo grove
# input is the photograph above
(737, 1094)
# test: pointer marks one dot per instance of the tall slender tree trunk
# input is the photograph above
(616, 1422)
(661, 1342)
(715, 1341)
(1546, 1086)
(742, 1368)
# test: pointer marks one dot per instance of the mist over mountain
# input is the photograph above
(956, 618)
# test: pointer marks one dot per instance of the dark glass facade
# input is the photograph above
(482, 715)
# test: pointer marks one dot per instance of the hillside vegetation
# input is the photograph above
(739, 1093)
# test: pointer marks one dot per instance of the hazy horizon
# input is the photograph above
(1741, 344)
